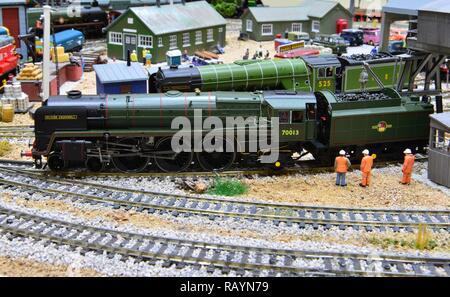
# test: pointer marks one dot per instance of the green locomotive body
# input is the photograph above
(313, 73)
(131, 131)
(248, 76)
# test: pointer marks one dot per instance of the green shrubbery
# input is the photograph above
(228, 187)
(227, 8)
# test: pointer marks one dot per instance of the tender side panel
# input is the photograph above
(393, 124)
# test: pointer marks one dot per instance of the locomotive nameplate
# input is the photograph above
(60, 117)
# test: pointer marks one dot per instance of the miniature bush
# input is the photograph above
(5, 148)
(227, 8)
(228, 187)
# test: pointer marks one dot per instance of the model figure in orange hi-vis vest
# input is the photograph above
(366, 168)
(407, 168)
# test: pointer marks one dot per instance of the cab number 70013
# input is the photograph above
(290, 132)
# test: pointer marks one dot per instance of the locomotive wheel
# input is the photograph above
(169, 161)
(55, 162)
(94, 164)
(216, 161)
(128, 160)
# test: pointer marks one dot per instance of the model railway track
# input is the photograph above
(180, 252)
(304, 167)
(213, 208)
(16, 132)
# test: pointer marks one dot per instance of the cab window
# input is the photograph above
(297, 116)
(311, 111)
(326, 72)
(329, 72)
(284, 116)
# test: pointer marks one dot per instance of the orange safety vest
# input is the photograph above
(341, 164)
(408, 164)
(366, 164)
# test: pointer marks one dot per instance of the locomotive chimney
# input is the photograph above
(128, 58)
(158, 3)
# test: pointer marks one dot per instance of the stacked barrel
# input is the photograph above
(14, 96)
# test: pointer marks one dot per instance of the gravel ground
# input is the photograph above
(384, 191)
(18, 145)
(21, 267)
(319, 189)
(20, 119)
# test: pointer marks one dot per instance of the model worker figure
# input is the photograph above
(144, 54)
(366, 168)
(148, 59)
(407, 168)
(133, 56)
(341, 165)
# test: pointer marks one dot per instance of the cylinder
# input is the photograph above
(7, 113)
(73, 72)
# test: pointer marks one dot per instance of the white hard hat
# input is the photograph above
(407, 151)
(365, 152)
(342, 152)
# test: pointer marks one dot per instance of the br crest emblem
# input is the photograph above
(382, 126)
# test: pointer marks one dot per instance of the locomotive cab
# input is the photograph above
(296, 113)
(324, 70)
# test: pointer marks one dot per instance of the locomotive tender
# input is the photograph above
(132, 131)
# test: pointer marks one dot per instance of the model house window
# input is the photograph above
(115, 38)
(220, 30)
(145, 41)
(198, 37)
(267, 29)
(210, 35)
(130, 20)
(160, 42)
(249, 26)
(296, 27)
(173, 41)
(315, 26)
(186, 40)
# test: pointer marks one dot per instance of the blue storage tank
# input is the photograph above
(69, 39)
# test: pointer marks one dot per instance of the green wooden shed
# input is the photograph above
(318, 16)
(191, 26)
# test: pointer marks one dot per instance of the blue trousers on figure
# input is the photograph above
(340, 179)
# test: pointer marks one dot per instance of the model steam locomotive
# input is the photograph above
(313, 73)
(131, 132)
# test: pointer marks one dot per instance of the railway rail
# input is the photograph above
(16, 132)
(241, 259)
(213, 208)
(304, 167)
